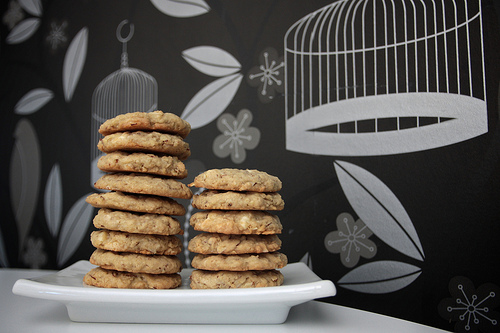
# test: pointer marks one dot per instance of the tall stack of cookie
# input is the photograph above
(238, 247)
(136, 244)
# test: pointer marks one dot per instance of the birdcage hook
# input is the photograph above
(124, 41)
(119, 32)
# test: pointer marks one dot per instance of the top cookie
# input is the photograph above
(237, 180)
(142, 121)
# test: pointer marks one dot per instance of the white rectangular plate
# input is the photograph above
(183, 305)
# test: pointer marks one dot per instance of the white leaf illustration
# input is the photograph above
(211, 61)
(33, 7)
(306, 259)
(53, 200)
(379, 209)
(74, 229)
(380, 277)
(25, 169)
(24, 30)
(73, 62)
(33, 101)
(4, 261)
(181, 8)
(211, 101)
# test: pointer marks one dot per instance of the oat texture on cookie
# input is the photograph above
(137, 238)
(239, 244)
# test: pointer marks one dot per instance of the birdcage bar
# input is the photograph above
(397, 47)
(363, 48)
(125, 90)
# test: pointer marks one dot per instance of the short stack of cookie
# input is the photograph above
(136, 244)
(238, 246)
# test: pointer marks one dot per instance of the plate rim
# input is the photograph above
(33, 287)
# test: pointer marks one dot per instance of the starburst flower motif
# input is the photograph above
(236, 137)
(13, 15)
(471, 309)
(35, 257)
(350, 240)
(268, 76)
(57, 35)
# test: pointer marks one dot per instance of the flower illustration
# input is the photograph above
(268, 76)
(350, 240)
(237, 135)
(13, 15)
(471, 308)
(35, 256)
(57, 35)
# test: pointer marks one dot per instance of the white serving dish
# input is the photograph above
(182, 305)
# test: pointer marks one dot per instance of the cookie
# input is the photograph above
(237, 180)
(163, 165)
(146, 121)
(104, 278)
(153, 142)
(201, 279)
(231, 200)
(136, 243)
(137, 223)
(236, 222)
(136, 203)
(239, 262)
(144, 184)
(136, 263)
(210, 243)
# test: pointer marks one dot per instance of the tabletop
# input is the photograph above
(26, 314)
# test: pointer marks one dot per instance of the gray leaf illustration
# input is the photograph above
(53, 200)
(181, 8)
(74, 229)
(33, 101)
(211, 61)
(33, 7)
(380, 277)
(24, 177)
(379, 208)
(4, 261)
(211, 101)
(24, 30)
(74, 61)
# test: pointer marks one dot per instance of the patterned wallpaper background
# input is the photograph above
(380, 117)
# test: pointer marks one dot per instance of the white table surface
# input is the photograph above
(25, 314)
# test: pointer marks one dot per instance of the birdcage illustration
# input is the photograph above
(379, 77)
(125, 90)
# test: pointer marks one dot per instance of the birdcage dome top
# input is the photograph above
(125, 90)
(349, 25)
(361, 75)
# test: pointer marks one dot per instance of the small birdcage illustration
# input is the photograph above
(125, 90)
(379, 77)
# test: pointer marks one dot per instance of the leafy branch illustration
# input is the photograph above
(182, 8)
(25, 164)
(27, 27)
(72, 231)
(386, 217)
(215, 97)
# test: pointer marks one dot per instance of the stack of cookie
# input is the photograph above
(136, 245)
(238, 246)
